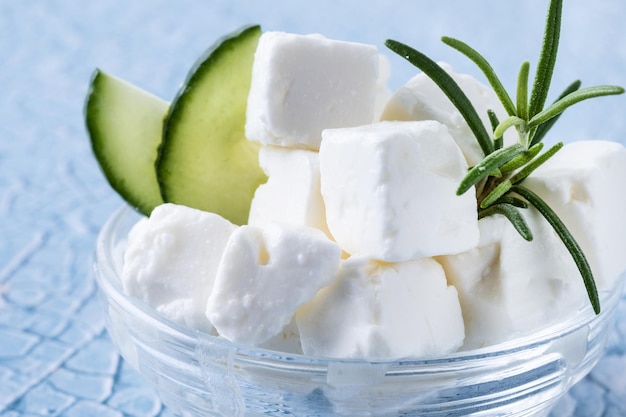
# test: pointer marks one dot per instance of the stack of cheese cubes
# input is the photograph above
(357, 245)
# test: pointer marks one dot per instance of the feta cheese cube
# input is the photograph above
(265, 275)
(302, 84)
(584, 184)
(292, 193)
(390, 191)
(421, 99)
(171, 260)
(381, 310)
(383, 93)
(508, 286)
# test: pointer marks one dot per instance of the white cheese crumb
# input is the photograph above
(171, 260)
(508, 286)
(265, 275)
(292, 193)
(378, 310)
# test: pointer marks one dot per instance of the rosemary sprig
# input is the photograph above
(545, 127)
(498, 142)
(497, 178)
(510, 212)
(485, 167)
(547, 59)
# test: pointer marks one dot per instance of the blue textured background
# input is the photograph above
(55, 358)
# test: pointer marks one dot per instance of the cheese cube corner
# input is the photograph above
(302, 84)
(292, 193)
(390, 191)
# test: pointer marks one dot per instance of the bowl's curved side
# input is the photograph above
(200, 374)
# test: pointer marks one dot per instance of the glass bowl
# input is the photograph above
(197, 374)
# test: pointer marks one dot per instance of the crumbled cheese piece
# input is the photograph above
(265, 275)
(302, 84)
(584, 184)
(421, 99)
(390, 191)
(509, 286)
(171, 260)
(292, 193)
(379, 310)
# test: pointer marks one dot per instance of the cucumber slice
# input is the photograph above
(205, 160)
(125, 126)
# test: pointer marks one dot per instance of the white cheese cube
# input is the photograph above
(383, 93)
(509, 286)
(302, 84)
(390, 191)
(380, 310)
(265, 275)
(171, 261)
(584, 184)
(292, 193)
(421, 99)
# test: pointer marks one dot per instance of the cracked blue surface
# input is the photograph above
(55, 356)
